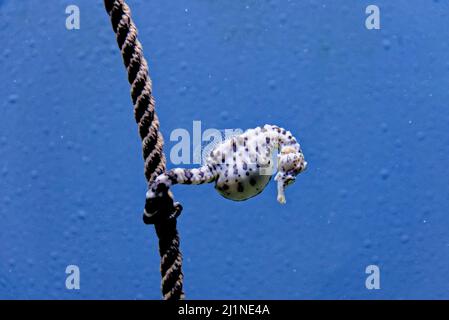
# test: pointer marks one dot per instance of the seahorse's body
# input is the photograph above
(240, 166)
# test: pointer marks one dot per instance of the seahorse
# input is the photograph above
(240, 167)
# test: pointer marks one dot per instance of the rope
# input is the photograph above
(152, 145)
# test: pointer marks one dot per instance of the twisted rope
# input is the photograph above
(152, 144)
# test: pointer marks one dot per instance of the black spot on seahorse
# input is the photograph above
(240, 187)
(210, 168)
(252, 181)
(173, 177)
(268, 140)
(244, 166)
(234, 145)
(188, 176)
(225, 187)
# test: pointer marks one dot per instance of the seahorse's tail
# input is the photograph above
(159, 188)
(204, 174)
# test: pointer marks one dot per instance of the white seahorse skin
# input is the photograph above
(245, 158)
(240, 166)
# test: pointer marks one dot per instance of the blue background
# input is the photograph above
(370, 108)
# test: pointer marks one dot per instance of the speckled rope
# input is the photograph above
(152, 144)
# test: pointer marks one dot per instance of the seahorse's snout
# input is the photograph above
(283, 181)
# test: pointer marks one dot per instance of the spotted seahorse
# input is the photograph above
(239, 166)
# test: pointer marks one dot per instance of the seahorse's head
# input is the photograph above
(290, 163)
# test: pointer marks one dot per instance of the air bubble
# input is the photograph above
(385, 174)
(12, 99)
